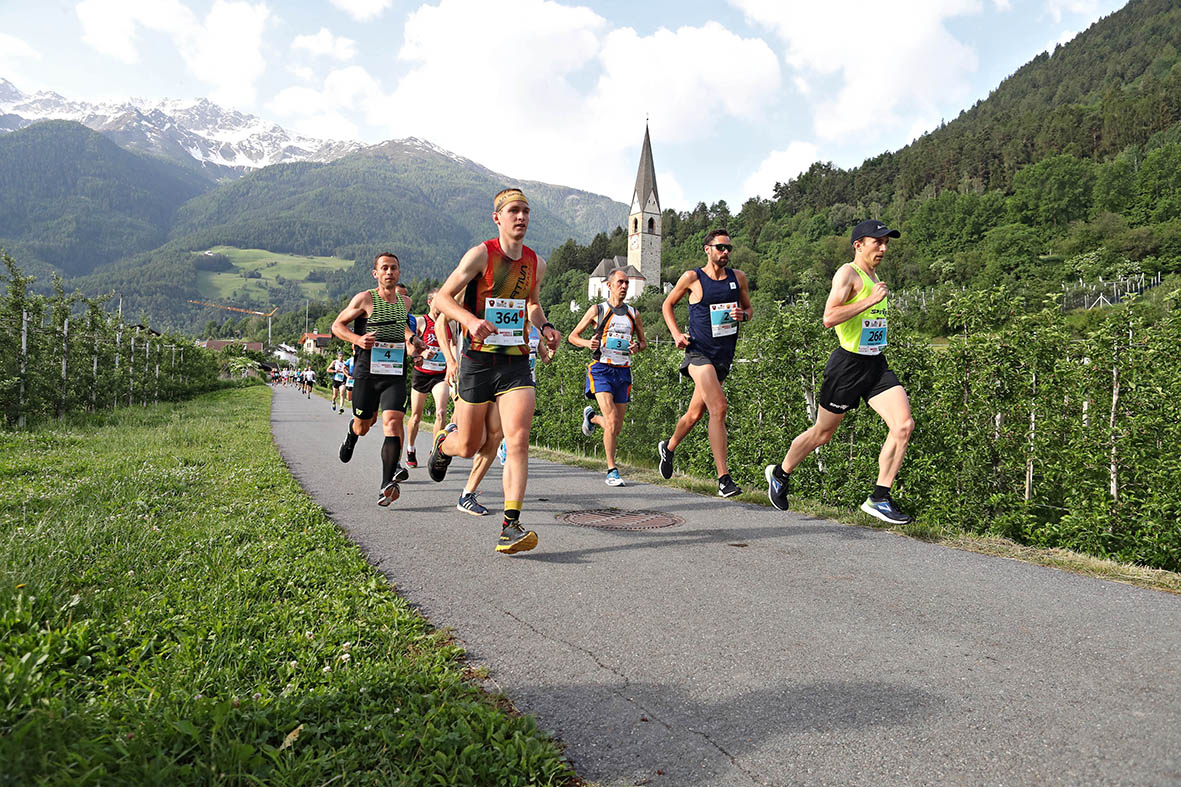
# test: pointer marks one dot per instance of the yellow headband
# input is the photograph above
(512, 195)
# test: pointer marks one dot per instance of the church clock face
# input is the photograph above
(634, 242)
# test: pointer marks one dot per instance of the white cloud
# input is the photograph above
(884, 73)
(329, 110)
(13, 53)
(551, 92)
(779, 167)
(302, 72)
(363, 10)
(672, 195)
(325, 44)
(223, 51)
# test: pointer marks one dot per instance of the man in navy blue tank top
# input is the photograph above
(719, 299)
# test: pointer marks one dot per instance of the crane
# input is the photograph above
(268, 315)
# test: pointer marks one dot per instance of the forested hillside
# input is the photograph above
(72, 200)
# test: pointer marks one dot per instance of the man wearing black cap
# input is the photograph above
(856, 309)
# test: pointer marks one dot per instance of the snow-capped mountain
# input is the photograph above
(223, 141)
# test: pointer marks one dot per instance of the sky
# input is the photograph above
(738, 94)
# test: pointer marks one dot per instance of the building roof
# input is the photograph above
(607, 266)
(317, 336)
(645, 175)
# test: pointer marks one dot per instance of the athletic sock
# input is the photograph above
(466, 492)
(779, 475)
(609, 469)
(391, 449)
(512, 512)
(880, 493)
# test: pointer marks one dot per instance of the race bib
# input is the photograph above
(387, 358)
(435, 362)
(507, 315)
(873, 337)
(339, 377)
(616, 349)
(721, 322)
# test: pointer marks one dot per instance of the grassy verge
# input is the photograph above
(990, 545)
(174, 608)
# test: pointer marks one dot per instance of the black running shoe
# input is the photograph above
(886, 511)
(346, 448)
(411, 457)
(727, 487)
(776, 489)
(666, 459)
(388, 494)
(515, 539)
(437, 464)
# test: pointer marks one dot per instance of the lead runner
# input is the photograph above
(499, 281)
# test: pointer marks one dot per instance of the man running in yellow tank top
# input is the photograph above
(856, 309)
(498, 282)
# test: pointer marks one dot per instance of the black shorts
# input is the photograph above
(337, 383)
(425, 382)
(485, 376)
(385, 390)
(849, 378)
(695, 358)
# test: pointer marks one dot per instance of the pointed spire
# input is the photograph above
(646, 176)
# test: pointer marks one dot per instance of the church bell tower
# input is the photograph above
(643, 224)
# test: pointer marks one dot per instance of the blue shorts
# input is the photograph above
(614, 380)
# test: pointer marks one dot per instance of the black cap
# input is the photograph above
(872, 228)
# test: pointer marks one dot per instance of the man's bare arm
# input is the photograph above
(575, 336)
(845, 284)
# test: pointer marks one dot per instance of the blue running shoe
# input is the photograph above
(469, 505)
(613, 477)
(502, 452)
(587, 427)
(776, 489)
(886, 511)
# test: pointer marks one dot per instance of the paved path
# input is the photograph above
(749, 646)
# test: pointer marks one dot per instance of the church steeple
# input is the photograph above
(643, 223)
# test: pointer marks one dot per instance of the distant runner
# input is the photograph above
(381, 335)
(719, 298)
(430, 376)
(856, 310)
(349, 381)
(309, 380)
(499, 280)
(619, 332)
(339, 373)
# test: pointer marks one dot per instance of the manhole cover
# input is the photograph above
(617, 519)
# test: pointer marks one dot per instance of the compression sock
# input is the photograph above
(512, 512)
(880, 493)
(391, 449)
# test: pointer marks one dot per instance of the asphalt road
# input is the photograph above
(750, 646)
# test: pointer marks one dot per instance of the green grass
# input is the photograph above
(173, 608)
(293, 267)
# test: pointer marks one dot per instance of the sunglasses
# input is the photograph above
(721, 246)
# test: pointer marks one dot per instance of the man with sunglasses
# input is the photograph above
(719, 298)
(856, 310)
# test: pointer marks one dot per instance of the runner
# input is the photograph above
(856, 309)
(430, 377)
(339, 372)
(719, 298)
(381, 335)
(618, 333)
(309, 380)
(499, 280)
(350, 381)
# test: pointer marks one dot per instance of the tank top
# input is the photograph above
(615, 327)
(388, 322)
(433, 361)
(498, 296)
(712, 331)
(865, 333)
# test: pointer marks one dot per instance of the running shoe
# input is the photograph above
(388, 494)
(411, 457)
(727, 487)
(515, 539)
(346, 448)
(502, 452)
(613, 477)
(776, 489)
(468, 504)
(438, 462)
(401, 473)
(587, 426)
(886, 511)
(666, 459)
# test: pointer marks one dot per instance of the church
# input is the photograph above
(643, 236)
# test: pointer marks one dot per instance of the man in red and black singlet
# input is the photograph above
(384, 346)
(498, 282)
(719, 299)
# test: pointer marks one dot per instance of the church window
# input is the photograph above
(635, 225)
(651, 225)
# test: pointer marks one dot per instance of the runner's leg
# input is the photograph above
(705, 378)
(893, 406)
(417, 405)
(611, 422)
(689, 420)
(516, 418)
(442, 394)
